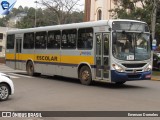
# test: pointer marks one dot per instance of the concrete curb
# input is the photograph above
(155, 79)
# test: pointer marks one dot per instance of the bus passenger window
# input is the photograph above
(28, 42)
(10, 41)
(40, 40)
(54, 38)
(69, 39)
(85, 38)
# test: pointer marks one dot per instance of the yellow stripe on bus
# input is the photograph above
(77, 59)
(10, 56)
(51, 58)
(24, 56)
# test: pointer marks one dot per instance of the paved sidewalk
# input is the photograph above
(6, 69)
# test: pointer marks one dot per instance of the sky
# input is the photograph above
(23, 3)
(30, 3)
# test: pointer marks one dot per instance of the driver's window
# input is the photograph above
(106, 44)
(98, 45)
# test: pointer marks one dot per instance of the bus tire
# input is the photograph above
(85, 75)
(30, 68)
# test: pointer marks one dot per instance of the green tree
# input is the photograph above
(129, 9)
(27, 21)
(2, 22)
(75, 17)
(46, 17)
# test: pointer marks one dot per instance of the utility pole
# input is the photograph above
(35, 22)
(153, 22)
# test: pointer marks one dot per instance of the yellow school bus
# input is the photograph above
(108, 50)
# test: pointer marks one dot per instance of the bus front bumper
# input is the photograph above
(122, 77)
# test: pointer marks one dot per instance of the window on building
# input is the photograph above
(69, 39)
(85, 38)
(28, 42)
(99, 15)
(0, 48)
(40, 40)
(54, 38)
(10, 41)
(1, 36)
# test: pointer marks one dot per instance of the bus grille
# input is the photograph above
(132, 71)
(134, 65)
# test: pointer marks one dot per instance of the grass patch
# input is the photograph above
(156, 73)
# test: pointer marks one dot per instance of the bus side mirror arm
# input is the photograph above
(114, 36)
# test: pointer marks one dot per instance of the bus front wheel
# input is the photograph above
(85, 75)
(30, 68)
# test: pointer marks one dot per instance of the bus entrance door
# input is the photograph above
(18, 49)
(102, 56)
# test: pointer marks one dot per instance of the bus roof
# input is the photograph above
(69, 26)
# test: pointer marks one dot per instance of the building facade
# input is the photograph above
(3, 31)
(98, 9)
(3, 37)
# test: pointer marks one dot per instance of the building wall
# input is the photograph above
(87, 10)
(93, 6)
(3, 30)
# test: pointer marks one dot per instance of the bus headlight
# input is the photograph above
(149, 68)
(118, 68)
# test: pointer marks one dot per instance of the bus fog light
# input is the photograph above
(118, 68)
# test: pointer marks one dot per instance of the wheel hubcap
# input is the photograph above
(85, 75)
(3, 92)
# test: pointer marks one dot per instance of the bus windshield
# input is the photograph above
(132, 46)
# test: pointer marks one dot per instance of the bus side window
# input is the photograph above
(40, 40)
(10, 41)
(53, 39)
(28, 42)
(69, 39)
(85, 38)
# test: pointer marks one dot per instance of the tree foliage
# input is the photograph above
(46, 17)
(60, 8)
(133, 9)
(54, 12)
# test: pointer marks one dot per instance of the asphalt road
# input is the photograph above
(48, 93)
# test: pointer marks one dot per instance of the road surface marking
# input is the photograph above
(21, 75)
(11, 76)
